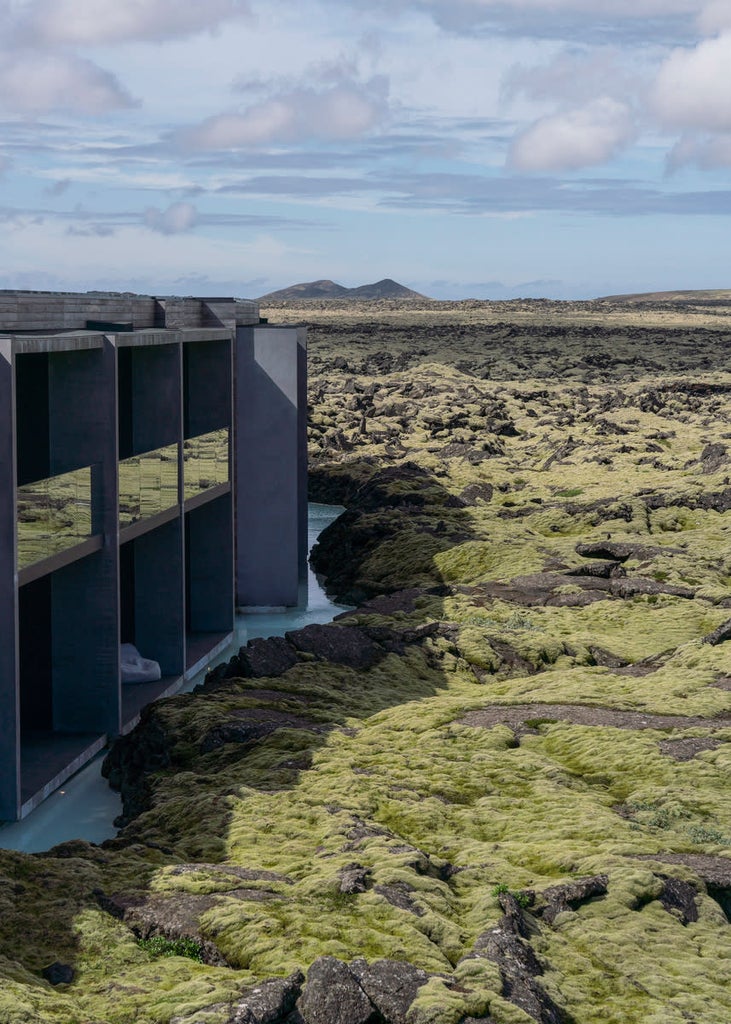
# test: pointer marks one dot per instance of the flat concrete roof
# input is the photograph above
(32, 344)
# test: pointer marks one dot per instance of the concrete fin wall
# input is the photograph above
(270, 410)
(9, 718)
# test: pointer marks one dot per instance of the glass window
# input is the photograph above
(148, 484)
(205, 461)
(53, 515)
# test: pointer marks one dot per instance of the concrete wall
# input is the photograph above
(54, 311)
(270, 410)
(70, 311)
(209, 550)
(85, 607)
(160, 597)
(9, 718)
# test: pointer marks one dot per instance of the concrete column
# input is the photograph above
(303, 550)
(9, 695)
(270, 410)
(84, 648)
(85, 616)
(209, 549)
(160, 597)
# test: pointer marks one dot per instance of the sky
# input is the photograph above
(466, 148)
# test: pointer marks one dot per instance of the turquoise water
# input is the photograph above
(85, 806)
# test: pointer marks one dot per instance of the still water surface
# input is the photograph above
(85, 806)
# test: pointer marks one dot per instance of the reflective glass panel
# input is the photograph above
(205, 460)
(148, 484)
(53, 515)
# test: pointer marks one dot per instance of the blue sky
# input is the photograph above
(467, 148)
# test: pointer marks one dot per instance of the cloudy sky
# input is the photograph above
(467, 148)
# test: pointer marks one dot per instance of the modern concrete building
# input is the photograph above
(152, 477)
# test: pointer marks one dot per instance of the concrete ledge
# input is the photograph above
(87, 751)
(137, 696)
(262, 609)
(35, 344)
(149, 523)
(219, 646)
(48, 565)
(210, 494)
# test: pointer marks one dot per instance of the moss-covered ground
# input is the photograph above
(476, 447)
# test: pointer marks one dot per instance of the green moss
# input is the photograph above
(442, 814)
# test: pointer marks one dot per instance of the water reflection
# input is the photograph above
(205, 462)
(148, 484)
(53, 515)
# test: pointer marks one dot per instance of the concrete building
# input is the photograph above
(152, 477)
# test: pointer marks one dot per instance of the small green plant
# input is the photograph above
(521, 898)
(158, 946)
(700, 834)
(570, 492)
(655, 815)
(337, 901)
(519, 621)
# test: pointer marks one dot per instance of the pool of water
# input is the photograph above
(85, 806)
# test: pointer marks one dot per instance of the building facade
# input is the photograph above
(152, 478)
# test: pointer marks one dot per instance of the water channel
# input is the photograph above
(85, 806)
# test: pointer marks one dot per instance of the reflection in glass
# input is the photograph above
(205, 461)
(53, 515)
(148, 484)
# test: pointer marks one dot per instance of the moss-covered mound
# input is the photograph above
(499, 789)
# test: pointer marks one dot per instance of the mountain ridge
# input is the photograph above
(387, 288)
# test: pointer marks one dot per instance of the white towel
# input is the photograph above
(135, 668)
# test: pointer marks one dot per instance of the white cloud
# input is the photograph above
(576, 77)
(707, 153)
(177, 218)
(34, 82)
(693, 87)
(582, 137)
(715, 17)
(89, 22)
(344, 111)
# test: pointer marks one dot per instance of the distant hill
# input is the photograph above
(702, 295)
(385, 289)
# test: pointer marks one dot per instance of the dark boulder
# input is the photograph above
(251, 725)
(59, 974)
(678, 898)
(391, 985)
(133, 758)
(477, 492)
(719, 635)
(343, 645)
(268, 1003)
(713, 457)
(620, 551)
(171, 917)
(260, 658)
(571, 895)
(354, 878)
(332, 995)
(507, 946)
